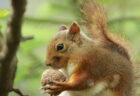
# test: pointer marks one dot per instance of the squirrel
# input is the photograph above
(94, 66)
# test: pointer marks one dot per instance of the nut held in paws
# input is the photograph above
(51, 75)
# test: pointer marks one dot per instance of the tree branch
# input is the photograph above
(53, 21)
(123, 19)
(13, 37)
(50, 21)
(17, 91)
(26, 38)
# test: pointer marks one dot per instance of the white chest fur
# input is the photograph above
(87, 93)
(96, 90)
(70, 69)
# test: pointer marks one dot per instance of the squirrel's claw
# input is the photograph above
(52, 92)
(54, 87)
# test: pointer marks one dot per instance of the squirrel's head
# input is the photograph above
(63, 45)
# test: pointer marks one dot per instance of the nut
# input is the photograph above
(52, 75)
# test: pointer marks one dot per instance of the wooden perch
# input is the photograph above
(17, 91)
(12, 37)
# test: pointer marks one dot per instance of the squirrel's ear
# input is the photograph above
(62, 27)
(74, 32)
(74, 28)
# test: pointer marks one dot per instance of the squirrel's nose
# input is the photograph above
(48, 64)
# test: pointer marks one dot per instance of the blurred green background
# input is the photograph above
(42, 19)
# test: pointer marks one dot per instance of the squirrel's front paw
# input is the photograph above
(54, 87)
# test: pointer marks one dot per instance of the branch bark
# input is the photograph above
(13, 37)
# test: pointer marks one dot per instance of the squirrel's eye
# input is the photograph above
(59, 47)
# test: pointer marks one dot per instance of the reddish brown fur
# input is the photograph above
(94, 62)
(105, 64)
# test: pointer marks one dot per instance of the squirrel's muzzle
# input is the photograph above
(48, 64)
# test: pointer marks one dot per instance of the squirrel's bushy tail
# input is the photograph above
(95, 19)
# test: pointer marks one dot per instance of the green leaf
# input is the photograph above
(4, 13)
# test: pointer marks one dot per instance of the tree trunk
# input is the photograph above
(8, 63)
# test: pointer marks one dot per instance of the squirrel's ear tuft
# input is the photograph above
(74, 32)
(62, 27)
(74, 28)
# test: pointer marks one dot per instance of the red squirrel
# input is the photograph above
(95, 65)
